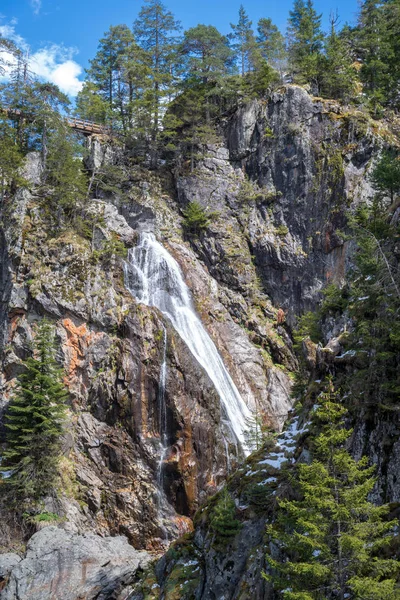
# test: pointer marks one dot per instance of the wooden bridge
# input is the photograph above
(87, 127)
(80, 125)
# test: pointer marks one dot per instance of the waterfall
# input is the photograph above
(154, 278)
(162, 414)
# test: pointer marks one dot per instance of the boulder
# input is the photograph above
(59, 564)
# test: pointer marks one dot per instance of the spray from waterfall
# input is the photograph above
(154, 278)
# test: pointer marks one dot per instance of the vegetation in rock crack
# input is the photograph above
(34, 426)
(329, 541)
(196, 218)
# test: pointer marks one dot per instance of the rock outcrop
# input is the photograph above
(279, 184)
(58, 564)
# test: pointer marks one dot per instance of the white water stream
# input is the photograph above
(154, 278)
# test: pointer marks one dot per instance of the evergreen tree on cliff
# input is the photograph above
(244, 41)
(34, 425)
(156, 31)
(305, 43)
(331, 542)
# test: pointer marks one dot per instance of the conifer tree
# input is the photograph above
(330, 541)
(244, 41)
(373, 46)
(272, 44)
(11, 160)
(305, 42)
(104, 68)
(338, 76)
(34, 424)
(209, 56)
(64, 172)
(90, 105)
(385, 176)
(223, 522)
(185, 128)
(197, 219)
(156, 31)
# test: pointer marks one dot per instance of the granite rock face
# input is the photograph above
(58, 564)
(287, 172)
(279, 184)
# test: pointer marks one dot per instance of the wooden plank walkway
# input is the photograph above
(85, 127)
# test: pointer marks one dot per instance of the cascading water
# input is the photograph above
(162, 415)
(154, 278)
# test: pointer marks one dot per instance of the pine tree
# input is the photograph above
(305, 43)
(156, 31)
(34, 424)
(244, 41)
(272, 44)
(373, 47)
(185, 128)
(385, 176)
(64, 173)
(7, 48)
(104, 69)
(223, 521)
(11, 161)
(90, 105)
(339, 76)
(197, 219)
(209, 57)
(329, 542)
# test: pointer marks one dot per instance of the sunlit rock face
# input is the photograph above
(149, 435)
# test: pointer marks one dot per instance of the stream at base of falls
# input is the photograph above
(154, 278)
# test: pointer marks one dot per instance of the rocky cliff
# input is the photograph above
(279, 183)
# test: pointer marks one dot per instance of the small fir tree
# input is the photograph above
(385, 176)
(197, 219)
(331, 540)
(223, 522)
(34, 425)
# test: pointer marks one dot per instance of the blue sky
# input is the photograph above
(62, 35)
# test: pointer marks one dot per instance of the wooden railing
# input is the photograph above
(85, 127)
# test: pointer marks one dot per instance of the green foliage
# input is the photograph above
(308, 326)
(34, 425)
(223, 521)
(244, 43)
(207, 52)
(156, 30)
(272, 44)
(197, 219)
(374, 305)
(64, 173)
(187, 130)
(338, 77)
(11, 161)
(90, 105)
(385, 176)
(330, 539)
(305, 42)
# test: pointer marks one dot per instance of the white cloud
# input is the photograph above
(36, 6)
(55, 64)
(52, 63)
